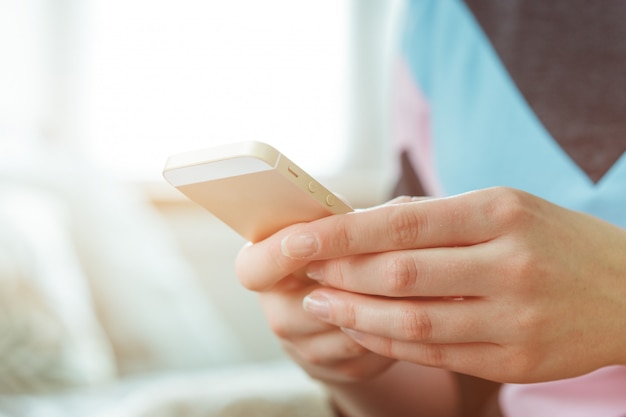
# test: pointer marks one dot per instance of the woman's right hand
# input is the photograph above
(324, 351)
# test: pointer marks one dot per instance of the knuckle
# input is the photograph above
(405, 226)
(522, 366)
(343, 239)
(416, 325)
(350, 316)
(527, 323)
(386, 348)
(523, 272)
(522, 265)
(509, 207)
(526, 349)
(434, 355)
(400, 274)
(335, 274)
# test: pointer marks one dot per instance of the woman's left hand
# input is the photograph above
(495, 283)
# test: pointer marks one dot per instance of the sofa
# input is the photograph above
(103, 315)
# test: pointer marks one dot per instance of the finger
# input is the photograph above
(294, 283)
(285, 315)
(439, 272)
(478, 359)
(462, 220)
(325, 348)
(405, 199)
(260, 266)
(413, 320)
(348, 370)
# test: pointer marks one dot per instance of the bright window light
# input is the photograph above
(167, 77)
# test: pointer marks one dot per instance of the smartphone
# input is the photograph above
(251, 187)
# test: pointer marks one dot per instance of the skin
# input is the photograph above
(495, 283)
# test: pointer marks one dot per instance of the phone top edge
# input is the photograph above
(220, 161)
(251, 148)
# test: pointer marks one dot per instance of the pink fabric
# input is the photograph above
(599, 394)
(411, 128)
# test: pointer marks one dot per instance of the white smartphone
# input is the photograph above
(251, 187)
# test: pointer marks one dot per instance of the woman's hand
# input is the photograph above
(320, 348)
(495, 283)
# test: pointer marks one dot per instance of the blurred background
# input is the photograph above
(107, 274)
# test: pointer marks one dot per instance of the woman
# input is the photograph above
(516, 110)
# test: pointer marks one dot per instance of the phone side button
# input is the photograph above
(313, 186)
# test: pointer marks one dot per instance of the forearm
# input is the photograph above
(403, 390)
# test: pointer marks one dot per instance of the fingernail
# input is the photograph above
(300, 245)
(314, 272)
(318, 305)
(354, 334)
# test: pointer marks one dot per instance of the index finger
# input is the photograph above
(260, 266)
(462, 220)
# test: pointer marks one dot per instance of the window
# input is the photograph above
(129, 82)
(166, 77)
